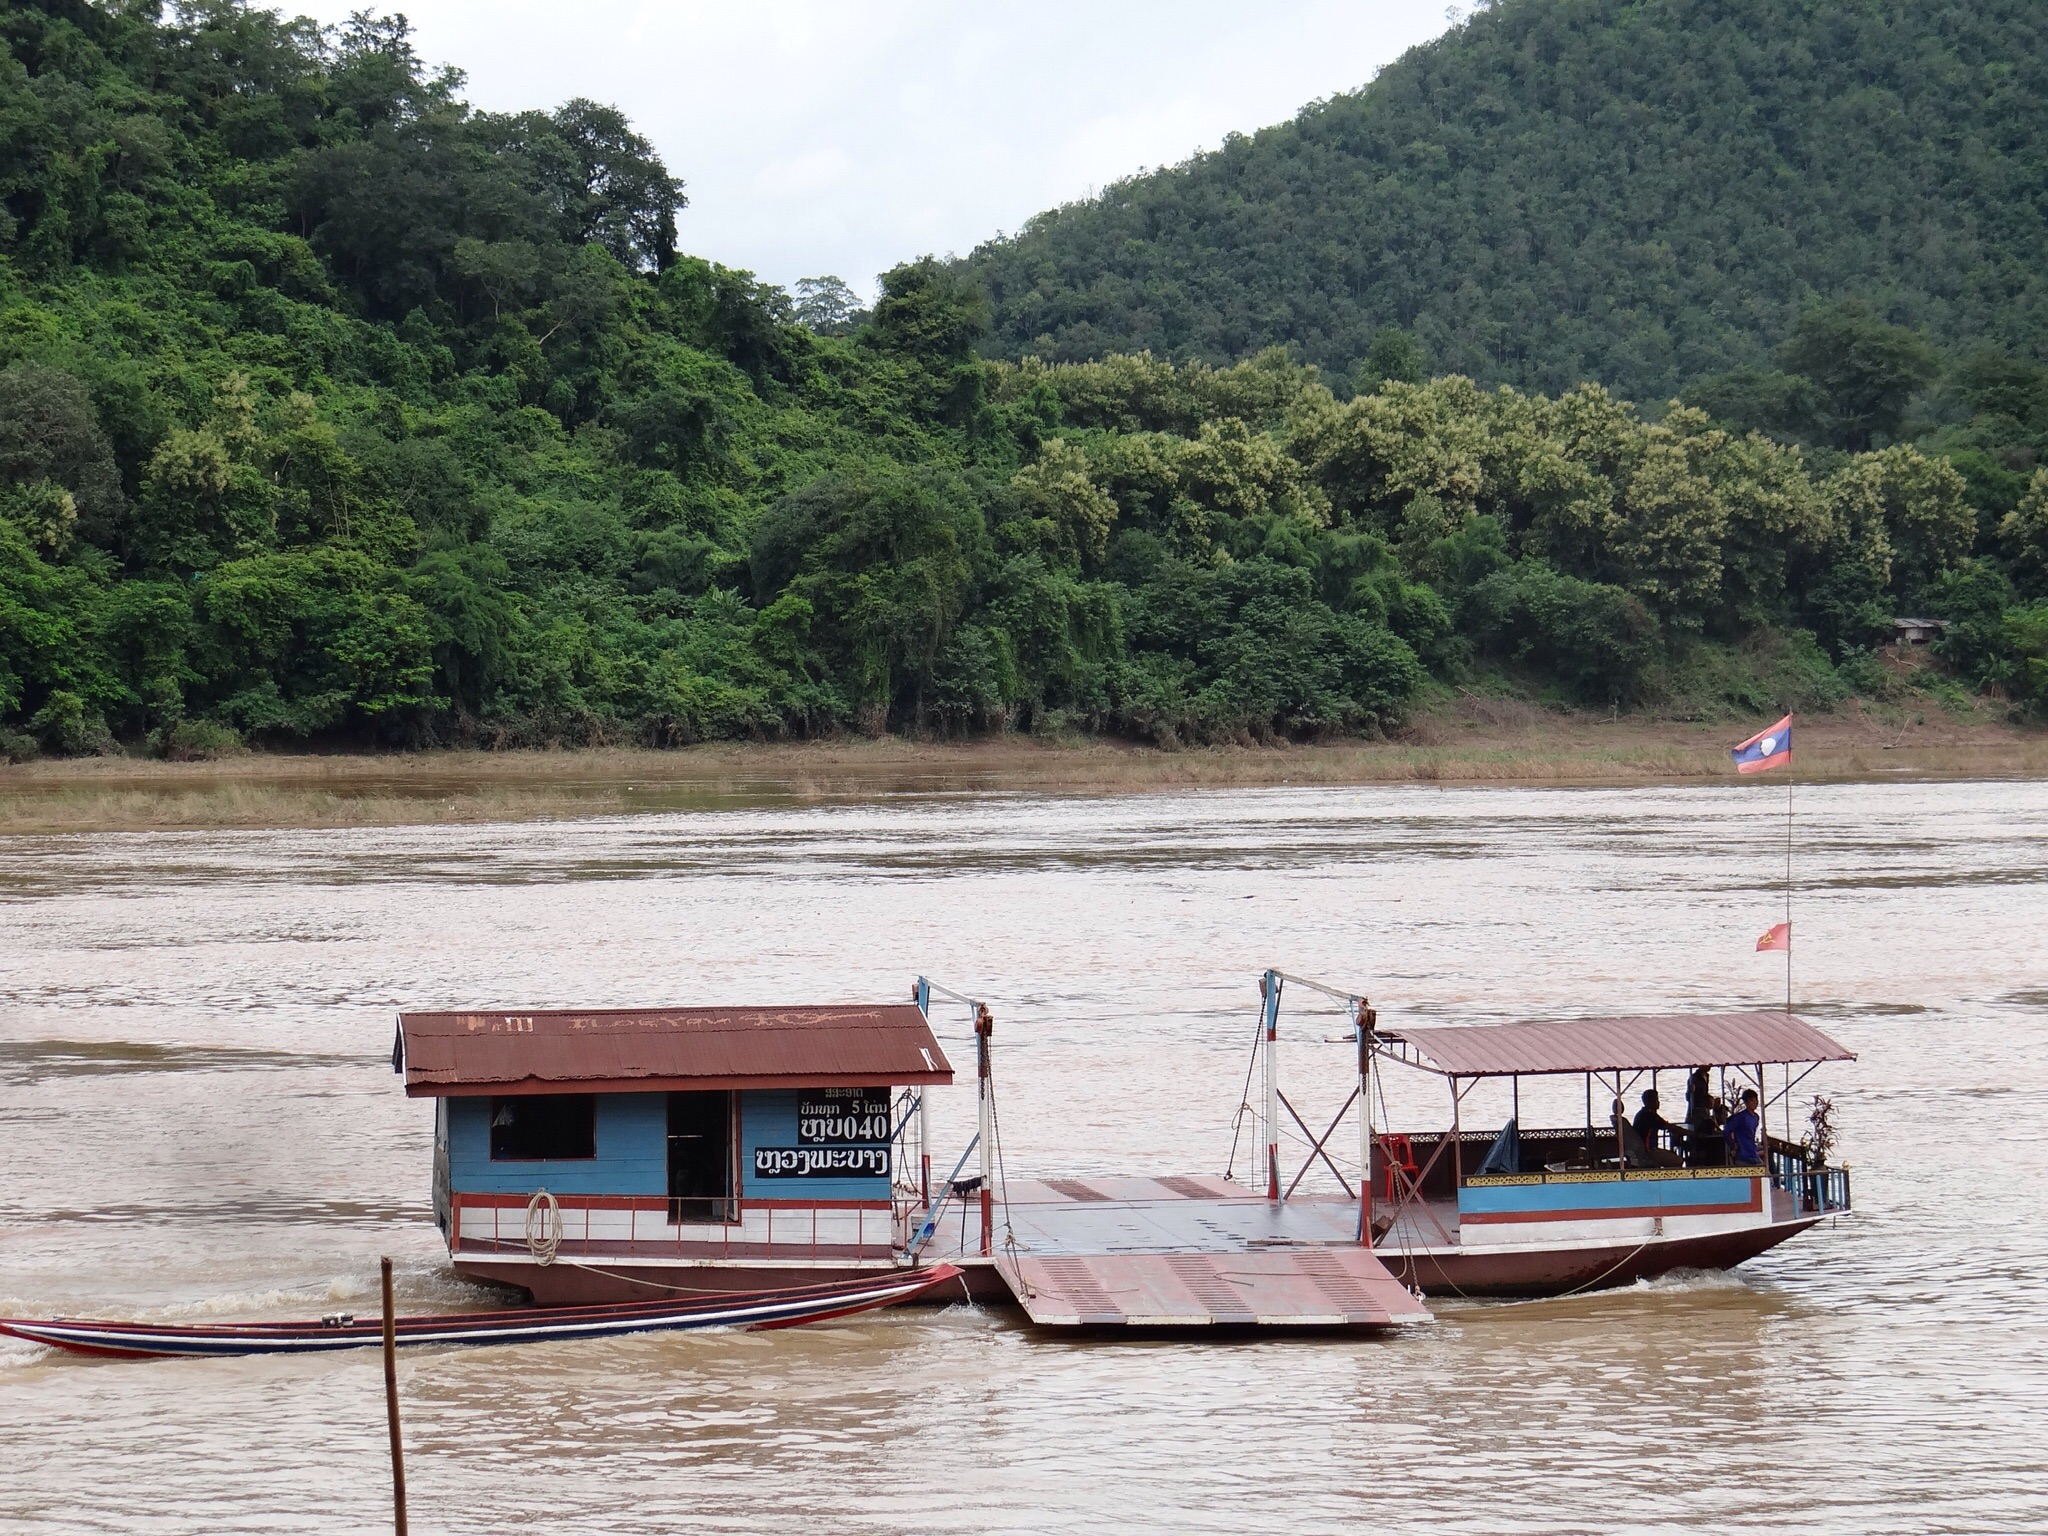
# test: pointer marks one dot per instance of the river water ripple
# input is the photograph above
(198, 1120)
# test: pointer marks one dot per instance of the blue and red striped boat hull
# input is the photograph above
(527, 1325)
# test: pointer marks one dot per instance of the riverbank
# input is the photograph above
(1473, 742)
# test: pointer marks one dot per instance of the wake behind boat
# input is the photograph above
(525, 1325)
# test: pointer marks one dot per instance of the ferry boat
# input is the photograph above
(1519, 1210)
(630, 1155)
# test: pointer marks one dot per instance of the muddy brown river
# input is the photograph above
(198, 1120)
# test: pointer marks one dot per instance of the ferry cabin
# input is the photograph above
(1515, 1210)
(631, 1154)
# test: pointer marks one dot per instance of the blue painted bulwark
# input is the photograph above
(632, 1152)
(1595, 1197)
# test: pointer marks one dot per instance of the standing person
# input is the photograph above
(1743, 1131)
(1699, 1096)
(1702, 1129)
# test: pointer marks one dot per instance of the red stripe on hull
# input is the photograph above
(563, 1284)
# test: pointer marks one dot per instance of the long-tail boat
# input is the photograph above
(525, 1325)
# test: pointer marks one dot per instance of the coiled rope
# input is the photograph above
(543, 1227)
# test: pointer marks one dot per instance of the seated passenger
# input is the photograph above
(1659, 1137)
(1742, 1133)
(1650, 1123)
(1633, 1153)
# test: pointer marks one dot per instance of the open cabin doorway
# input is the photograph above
(700, 1161)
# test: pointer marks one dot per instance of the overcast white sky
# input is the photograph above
(844, 136)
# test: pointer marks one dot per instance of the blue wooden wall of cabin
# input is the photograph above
(632, 1152)
(768, 1119)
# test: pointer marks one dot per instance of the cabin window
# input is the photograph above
(544, 1127)
(700, 1161)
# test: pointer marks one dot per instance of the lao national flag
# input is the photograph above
(1780, 937)
(1768, 748)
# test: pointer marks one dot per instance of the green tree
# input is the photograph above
(50, 433)
(1864, 372)
(2024, 537)
(1393, 356)
(825, 305)
(930, 317)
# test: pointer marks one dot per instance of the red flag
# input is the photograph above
(1780, 937)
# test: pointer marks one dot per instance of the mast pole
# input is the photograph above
(1791, 777)
(1269, 987)
(984, 1028)
(922, 994)
(1366, 1020)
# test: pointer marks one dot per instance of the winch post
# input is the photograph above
(923, 997)
(1367, 1018)
(984, 1028)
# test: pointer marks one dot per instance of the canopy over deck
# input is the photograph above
(1637, 1044)
(649, 1049)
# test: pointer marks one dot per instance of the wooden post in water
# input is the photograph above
(391, 1405)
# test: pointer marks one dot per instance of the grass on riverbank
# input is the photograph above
(1473, 741)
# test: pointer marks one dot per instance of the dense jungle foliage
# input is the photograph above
(334, 410)
(1641, 192)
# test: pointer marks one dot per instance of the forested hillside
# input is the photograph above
(1642, 192)
(335, 411)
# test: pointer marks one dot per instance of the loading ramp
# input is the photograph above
(1191, 1253)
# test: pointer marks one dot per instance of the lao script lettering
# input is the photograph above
(821, 1162)
(840, 1117)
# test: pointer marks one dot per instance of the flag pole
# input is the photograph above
(1791, 777)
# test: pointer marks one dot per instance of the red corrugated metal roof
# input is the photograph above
(645, 1049)
(1640, 1044)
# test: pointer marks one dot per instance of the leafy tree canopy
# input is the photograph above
(334, 409)
(1643, 192)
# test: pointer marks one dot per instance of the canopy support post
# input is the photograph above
(1589, 1122)
(1457, 1142)
(1620, 1135)
(1763, 1139)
